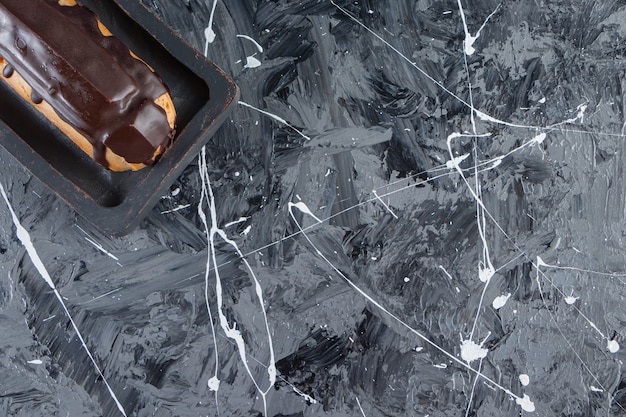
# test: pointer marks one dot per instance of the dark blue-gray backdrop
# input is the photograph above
(437, 274)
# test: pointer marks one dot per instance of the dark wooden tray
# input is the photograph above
(117, 202)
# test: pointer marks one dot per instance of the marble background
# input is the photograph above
(418, 208)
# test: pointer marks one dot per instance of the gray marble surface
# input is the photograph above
(393, 244)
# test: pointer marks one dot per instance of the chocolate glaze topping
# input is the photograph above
(90, 80)
(7, 71)
(35, 97)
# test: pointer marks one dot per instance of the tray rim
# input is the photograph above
(124, 217)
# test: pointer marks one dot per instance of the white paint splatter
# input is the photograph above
(526, 404)
(252, 62)
(486, 118)
(101, 249)
(385, 204)
(540, 262)
(98, 246)
(214, 383)
(481, 115)
(580, 116)
(495, 162)
(375, 303)
(360, 408)
(24, 237)
(486, 273)
(612, 345)
(524, 379)
(468, 44)
(500, 301)
(258, 46)
(307, 397)
(538, 139)
(177, 208)
(209, 34)
(103, 295)
(470, 400)
(239, 220)
(445, 272)
(469, 39)
(305, 209)
(454, 162)
(232, 332)
(470, 351)
(273, 116)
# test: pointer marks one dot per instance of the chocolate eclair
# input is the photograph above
(60, 58)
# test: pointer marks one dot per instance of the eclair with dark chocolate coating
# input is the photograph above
(60, 58)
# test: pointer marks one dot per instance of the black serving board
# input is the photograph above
(117, 201)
